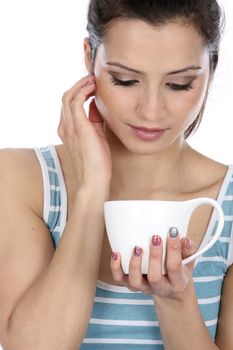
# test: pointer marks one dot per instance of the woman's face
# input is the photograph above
(150, 77)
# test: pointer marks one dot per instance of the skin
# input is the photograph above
(98, 158)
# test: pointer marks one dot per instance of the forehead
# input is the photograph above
(144, 46)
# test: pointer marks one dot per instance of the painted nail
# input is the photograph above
(173, 232)
(137, 251)
(156, 240)
(114, 256)
(188, 243)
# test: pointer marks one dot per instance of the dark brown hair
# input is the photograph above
(205, 15)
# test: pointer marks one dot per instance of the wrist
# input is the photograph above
(96, 191)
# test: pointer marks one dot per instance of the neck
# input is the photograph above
(142, 176)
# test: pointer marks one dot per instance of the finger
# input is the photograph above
(188, 248)
(92, 93)
(154, 275)
(117, 272)
(83, 94)
(174, 260)
(61, 126)
(69, 94)
(136, 280)
(74, 113)
(78, 93)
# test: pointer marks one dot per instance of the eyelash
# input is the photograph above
(129, 83)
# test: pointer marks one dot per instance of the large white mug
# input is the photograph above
(131, 223)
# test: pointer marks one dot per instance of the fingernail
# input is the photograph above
(137, 251)
(173, 232)
(114, 256)
(188, 243)
(156, 240)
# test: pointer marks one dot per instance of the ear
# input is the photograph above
(87, 55)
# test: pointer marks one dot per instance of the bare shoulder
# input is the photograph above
(20, 158)
(214, 171)
(205, 174)
(20, 176)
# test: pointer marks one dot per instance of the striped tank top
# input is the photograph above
(125, 320)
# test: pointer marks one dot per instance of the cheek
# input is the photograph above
(187, 106)
(111, 101)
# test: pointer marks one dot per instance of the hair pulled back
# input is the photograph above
(205, 15)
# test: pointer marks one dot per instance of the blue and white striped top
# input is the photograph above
(122, 319)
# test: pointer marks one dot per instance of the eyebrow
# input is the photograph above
(182, 70)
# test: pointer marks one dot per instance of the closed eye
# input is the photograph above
(179, 87)
(125, 83)
(172, 86)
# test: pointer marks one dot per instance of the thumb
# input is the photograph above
(96, 119)
(94, 115)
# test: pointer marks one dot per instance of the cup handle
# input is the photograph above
(196, 203)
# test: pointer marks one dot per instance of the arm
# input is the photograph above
(181, 323)
(45, 296)
(188, 331)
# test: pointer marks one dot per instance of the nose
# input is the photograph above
(151, 105)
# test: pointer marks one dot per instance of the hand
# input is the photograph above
(83, 137)
(171, 285)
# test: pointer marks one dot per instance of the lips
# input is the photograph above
(146, 129)
(147, 134)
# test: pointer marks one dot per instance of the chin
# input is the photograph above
(141, 149)
(147, 150)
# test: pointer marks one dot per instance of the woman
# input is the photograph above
(150, 66)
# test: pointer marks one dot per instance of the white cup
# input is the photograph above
(131, 223)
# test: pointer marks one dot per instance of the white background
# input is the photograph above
(41, 56)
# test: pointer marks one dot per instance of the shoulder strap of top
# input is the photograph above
(228, 211)
(55, 195)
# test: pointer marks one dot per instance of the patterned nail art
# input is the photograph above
(173, 232)
(137, 251)
(156, 240)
